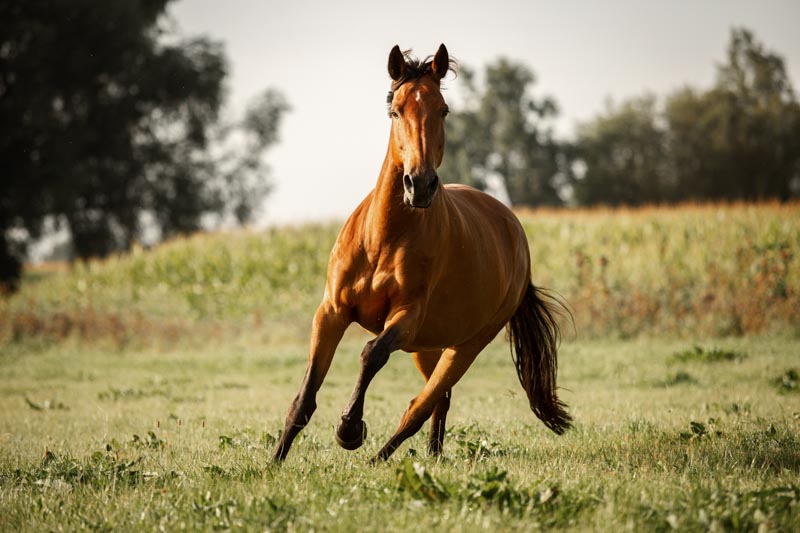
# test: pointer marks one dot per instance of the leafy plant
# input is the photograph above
(413, 479)
(101, 468)
(474, 444)
(680, 377)
(46, 405)
(789, 381)
(150, 441)
(699, 430)
(699, 354)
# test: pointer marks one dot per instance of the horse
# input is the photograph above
(430, 269)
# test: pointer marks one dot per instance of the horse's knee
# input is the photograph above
(374, 356)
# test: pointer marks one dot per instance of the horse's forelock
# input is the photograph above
(415, 69)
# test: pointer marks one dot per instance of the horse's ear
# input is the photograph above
(397, 63)
(441, 62)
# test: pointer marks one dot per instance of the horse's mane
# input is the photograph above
(415, 69)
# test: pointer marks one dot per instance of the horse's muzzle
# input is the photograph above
(419, 190)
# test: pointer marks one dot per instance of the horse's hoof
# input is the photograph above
(351, 436)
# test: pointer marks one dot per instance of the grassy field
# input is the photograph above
(146, 392)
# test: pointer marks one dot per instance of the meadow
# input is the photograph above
(146, 391)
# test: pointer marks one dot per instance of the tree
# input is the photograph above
(103, 119)
(502, 132)
(739, 140)
(622, 151)
(758, 126)
(696, 158)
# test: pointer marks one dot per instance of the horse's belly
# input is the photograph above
(453, 319)
(449, 320)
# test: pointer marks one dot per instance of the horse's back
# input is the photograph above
(491, 223)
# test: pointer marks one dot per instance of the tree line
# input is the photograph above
(738, 140)
(111, 126)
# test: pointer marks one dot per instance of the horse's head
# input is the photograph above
(417, 109)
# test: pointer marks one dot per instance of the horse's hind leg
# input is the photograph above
(451, 366)
(328, 328)
(426, 363)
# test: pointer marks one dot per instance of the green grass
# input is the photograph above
(149, 439)
(145, 392)
(707, 355)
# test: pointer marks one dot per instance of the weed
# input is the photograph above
(698, 354)
(101, 468)
(789, 381)
(719, 509)
(216, 471)
(46, 405)
(216, 512)
(493, 488)
(699, 430)
(680, 377)
(151, 441)
(474, 444)
(115, 394)
(415, 481)
(226, 442)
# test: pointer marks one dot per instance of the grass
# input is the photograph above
(146, 392)
(711, 270)
(149, 439)
(707, 355)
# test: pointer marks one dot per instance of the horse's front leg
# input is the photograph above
(400, 327)
(327, 330)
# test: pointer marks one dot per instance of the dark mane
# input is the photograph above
(415, 69)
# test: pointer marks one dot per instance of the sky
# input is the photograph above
(329, 59)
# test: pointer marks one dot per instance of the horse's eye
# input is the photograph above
(394, 114)
(445, 112)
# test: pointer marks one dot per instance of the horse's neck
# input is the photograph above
(387, 199)
(388, 218)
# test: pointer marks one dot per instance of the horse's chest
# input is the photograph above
(371, 302)
(367, 295)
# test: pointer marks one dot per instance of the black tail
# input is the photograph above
(534, 336)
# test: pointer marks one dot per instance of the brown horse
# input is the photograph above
(432, 270)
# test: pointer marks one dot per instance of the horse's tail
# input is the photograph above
(534, 336)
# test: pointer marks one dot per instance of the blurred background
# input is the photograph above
(133, 122)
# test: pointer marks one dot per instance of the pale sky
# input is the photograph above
(329, 59)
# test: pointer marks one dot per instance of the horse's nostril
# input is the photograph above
(435, 182)
(407, 183)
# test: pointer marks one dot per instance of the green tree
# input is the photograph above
(623, 154)
(758, 126)
(105, 117)
(739, 140)
(502, 131)
(696, 152)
